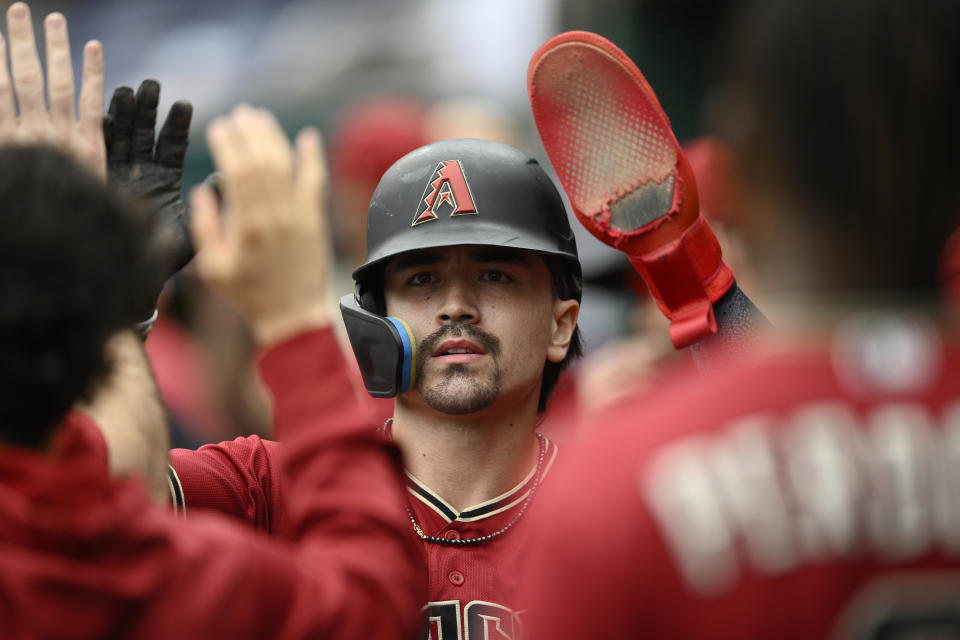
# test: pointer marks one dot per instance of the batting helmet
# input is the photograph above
(453, 192)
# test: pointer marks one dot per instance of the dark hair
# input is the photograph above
(848, 111)
(73, 263)
(567, 283)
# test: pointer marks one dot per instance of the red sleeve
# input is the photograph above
(240, 478)
(352, 568)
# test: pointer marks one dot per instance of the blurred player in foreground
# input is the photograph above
(87, 555)
(809, 491)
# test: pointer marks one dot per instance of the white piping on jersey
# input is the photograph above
(500, 510)
(177, 500)
(428, 502)
(503, 496)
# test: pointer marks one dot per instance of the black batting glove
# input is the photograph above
(150, 173)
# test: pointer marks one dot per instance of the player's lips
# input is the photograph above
(458, 351)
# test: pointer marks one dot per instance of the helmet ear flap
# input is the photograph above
(384, 347)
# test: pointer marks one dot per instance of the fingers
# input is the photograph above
(270, 257)
(91, 93)
(174, 136)
(311, 172)
(59, 71)
(270, 158)
(206, 231)
(145, 121)
(122, 107)
(226, 150)
(214, 182)
(272, 144)
(108, 132)
(27, 75)
(8, 114)
(80, 137)
(254, 159)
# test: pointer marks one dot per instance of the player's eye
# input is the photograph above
(495, 275)
(422, 278)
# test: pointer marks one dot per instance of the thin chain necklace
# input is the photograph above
(471, 541)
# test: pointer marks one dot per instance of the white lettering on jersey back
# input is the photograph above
(823, 476)
(947, 483)
(747, 479)
(822, 487)
(684, 499)
(899, 503)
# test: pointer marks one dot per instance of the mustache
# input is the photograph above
(487, 341)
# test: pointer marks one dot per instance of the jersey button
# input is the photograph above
(451, 535)
(456, 578)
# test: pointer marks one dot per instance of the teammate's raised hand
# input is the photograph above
(76, 131)
(148, 168)
(268, 252)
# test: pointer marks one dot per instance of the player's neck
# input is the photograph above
(466, 460)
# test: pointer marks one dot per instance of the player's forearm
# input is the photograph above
(128, 410)
(739, 326)
(267, 252)
(344, 489)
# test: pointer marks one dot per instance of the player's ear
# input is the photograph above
(565, 313)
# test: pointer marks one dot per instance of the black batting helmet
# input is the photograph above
(466, 191)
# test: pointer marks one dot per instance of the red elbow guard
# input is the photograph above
(685, 277)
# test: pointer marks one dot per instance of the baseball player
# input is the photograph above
(87, 555)
(809, 491)
(486, 329)
(465, 311)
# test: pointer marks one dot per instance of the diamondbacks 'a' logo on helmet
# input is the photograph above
(447, 190)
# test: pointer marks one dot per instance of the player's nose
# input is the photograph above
(458, 304)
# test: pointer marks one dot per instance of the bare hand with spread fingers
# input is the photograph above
(268, 251)
(76, 131)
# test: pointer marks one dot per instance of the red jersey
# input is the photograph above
(471, 589)
(808, 494)
(83, 555)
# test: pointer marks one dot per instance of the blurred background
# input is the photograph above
(380, 78)
(311, 60)
(308, 59)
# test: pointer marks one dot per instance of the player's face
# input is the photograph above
(485, 320)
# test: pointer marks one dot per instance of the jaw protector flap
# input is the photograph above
(384, 347)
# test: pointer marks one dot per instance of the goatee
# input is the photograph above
(459, 391)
